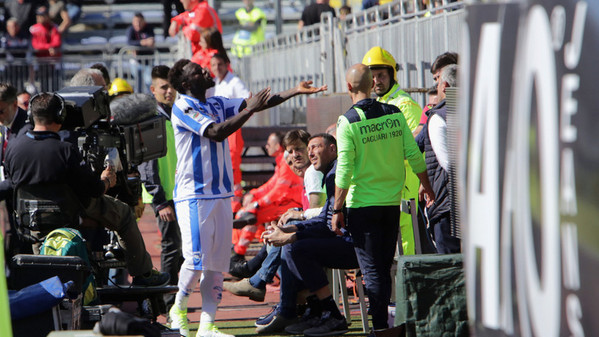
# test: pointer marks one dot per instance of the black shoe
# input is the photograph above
(244, 219)
(240, 270)
(305, 323)
(328, 326)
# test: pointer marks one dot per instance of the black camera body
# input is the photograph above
(141, 139)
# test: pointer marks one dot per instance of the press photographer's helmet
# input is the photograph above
(378, 57)
(119, 86)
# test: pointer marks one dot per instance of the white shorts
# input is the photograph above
(206, 229)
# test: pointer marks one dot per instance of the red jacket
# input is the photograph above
(283, 187)
(202, 16)
(44, 37)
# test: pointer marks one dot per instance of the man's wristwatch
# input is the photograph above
(337, 211)
(256, 204)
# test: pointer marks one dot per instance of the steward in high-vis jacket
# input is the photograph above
(252, 22)
(384, 72)
(373, 140)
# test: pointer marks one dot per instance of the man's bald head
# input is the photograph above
(359, 78)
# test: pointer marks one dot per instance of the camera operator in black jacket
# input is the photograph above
(39, 156)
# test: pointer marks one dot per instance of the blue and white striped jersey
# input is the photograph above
(204, 169)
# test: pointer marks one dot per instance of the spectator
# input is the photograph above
(369, 3)
(42, 158)
(269, 201)
(23, 98)
(158, 177)
(384, 72)
(167, 6)
(312, 12)
(211, 43)
(198, 14)
(101, 67)
(344, 11)
(437, 166)
(140, 34)
(309, 246)
(252, 22)
(23, 12)
(64, 13)
(45, 37)
(230, 86)
(203, 187)
(370, 175)
(14, 41)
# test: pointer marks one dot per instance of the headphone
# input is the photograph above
(59, 116)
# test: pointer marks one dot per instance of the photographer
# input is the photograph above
(39, 156)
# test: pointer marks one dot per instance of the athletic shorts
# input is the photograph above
(206, 228)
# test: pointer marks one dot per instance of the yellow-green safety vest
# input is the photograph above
(243, 39)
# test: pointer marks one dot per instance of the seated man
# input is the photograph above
(254, 283)
(267, 202)
(308, 247)
(41, 157)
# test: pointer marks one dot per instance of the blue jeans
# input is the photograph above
(271, 264)
(74, 12)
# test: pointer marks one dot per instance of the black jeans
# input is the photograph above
(171, 253)
(441, 228)
(374, 231)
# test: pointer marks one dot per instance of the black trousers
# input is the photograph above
(445, 242)
(171, 253)
(374, 231)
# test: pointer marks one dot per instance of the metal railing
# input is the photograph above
(324, 51)
(53, 73)
(320, 53)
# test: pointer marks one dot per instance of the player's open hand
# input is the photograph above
(305, 87)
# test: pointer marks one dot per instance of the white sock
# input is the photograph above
(188, 279)
(211, 288)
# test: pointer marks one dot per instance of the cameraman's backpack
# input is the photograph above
(69, 242)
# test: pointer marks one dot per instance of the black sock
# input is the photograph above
(328, 304)
(314, 305)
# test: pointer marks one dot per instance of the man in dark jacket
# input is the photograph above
(434, 143)
(13, 120)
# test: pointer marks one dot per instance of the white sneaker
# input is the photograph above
(210, 330)
(178, 319)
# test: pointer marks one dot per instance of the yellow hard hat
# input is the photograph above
(379, 57)
(119, 86)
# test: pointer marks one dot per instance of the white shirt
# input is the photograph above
(312, 181)
(204, 168)
(231, 86)
(437, 133)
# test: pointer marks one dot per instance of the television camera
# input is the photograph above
(131, 134)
